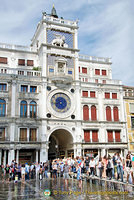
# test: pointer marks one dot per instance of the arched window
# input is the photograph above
(2, 108)
(85, 112)
(33, 109)
(23, 109)
(116, 114)
(108, 114)
(93, 113)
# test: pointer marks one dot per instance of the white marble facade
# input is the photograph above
(59, 75)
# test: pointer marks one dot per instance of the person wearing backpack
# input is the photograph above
(109, 167)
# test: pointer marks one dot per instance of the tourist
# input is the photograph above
(40, 173)
(87, 160)
(66, 172)
(45, 169)
(7, 170)
(54, 167)
(92, 166)
(27, 170)
(119, 167)
(19, 171)
(23, 172)
(100, 167)
(109, 167)
(79, 178)
(104, 160)
(128, 166)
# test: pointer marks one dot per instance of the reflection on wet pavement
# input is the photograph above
(93, 189)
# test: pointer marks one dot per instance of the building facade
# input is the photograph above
(55, 102)
(129, 109)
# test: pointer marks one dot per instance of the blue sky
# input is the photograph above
(106, 28)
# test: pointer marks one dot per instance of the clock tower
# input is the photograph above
(56, 42)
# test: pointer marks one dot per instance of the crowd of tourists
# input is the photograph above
(111, 167)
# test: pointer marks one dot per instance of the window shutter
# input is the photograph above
(93, 113)
(117, 136)
(107, 95)
(116, 114)
(21, 62)
(85, 93)
(30, 62)
(3, 60)
(92, 94)
(95, 136)
(87, 135)
(84, 70)
(97, 71)
(79, 69)
(110, 136)
(114, 95)
(85, 112)
(104, 73)
(108, 114)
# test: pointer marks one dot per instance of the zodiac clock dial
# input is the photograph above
(60, 102)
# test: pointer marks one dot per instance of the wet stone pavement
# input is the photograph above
(60, 190)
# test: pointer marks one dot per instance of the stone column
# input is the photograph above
(4, 161)
(43, 153)
(17, 155)
(79, 149)
(13, 96)
(0, 155)
(103, 152)
(78, 103)
(37, 159)
(83, 151)
(100, 106)
(10, 156)
(66, 153)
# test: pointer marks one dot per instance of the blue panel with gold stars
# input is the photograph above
(68, 37)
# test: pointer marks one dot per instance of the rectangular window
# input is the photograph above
(33, 134)
(97, 71)
(79, 69)
(104, 73)
(87, 135)
(132, 122)
(20, 72)
(3, 87)
(85, 93)
(94, 136)
(114, 95)
(92, 94)
(104, 81)
(3, 60)
(23, 134)
(96, 80)
(30, 63)
(69, 72)
(84, 70)
(110, 136)
(33, 89)
(131, 107)
(51, 70)
(2, 134)
(107, 95)
(21, 62)
(29, 73)
(117, 136)
(24, 88)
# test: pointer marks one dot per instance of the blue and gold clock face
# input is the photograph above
(60, 102)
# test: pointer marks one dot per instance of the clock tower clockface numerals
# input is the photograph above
(60, 102)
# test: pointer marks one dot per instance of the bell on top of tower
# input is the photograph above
(53, 12)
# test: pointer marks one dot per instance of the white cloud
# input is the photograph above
(105, 28)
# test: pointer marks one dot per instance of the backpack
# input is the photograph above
(109, 165)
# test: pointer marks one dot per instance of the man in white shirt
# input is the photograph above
(92, 166)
